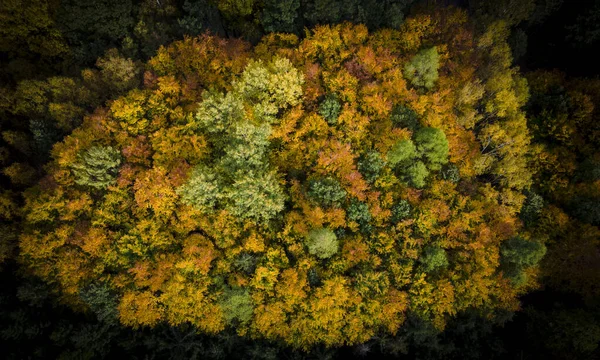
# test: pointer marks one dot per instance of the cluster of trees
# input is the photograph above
(395, 186)
(282, 194)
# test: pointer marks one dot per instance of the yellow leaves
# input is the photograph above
(392, 312)
(254, 243)
(139, 309)
(130, 111)
(95, 242)
(198, 254)
(221, 228)
(325, 44)
(169, 261)
(322, 318)
(154, 191)
(343, 84)
(264, 279)
(413, 31)
(284, 130)
(291, 288)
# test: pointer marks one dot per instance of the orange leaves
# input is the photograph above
(154, 191)
(392, 314)
(413, 31)
(171, 263)
(355, 251)
(337, 158)
(343, 84)
(374, 103)
(139, 308)
(95, 242)
(198, 253)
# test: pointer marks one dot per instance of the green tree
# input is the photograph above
(330, 108)
(101, 302)
(256, 196)
(416, 173)
(359, 212)
(217, 112)
(326, 191)
(531, 208)
(236, 305)
(322, 243)
(432, 144)
(245, 262)
(280, 15)
(92, 26)
(422, 69)
(97, 167)
(370, 165)
(402, 153)
(404, 117)
(246, 147)
(517, 254)
(203, 190)
(433, 259)
(401, 211)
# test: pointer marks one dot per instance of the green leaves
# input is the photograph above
(236, 305)
(217, 112)
(246, 147)
(433, 258)
(404, 117)
(280, 15)
(97, 167)
(203, 189)
(326, 191)
(414, 160)
(370, 165)
(402, 153)
(518, 254)
(330, 108)
(422, 69)
(433, 146)
(322, 243)
(256, 196)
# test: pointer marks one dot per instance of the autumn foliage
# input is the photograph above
(301, 190)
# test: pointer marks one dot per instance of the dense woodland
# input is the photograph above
(289, 179)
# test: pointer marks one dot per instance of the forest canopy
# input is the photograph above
(312, 191)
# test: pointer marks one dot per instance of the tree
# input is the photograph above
(246, 147)
(280, 16)
(236, 305)
(326, 191)
(97, 167)
(256, 196)
(518, 254)
(401, 211)
(322, 243)
(203, 190)
(404, 117)
(402, 153)
(433, 259)
(330, 108)
(91, 27)
(416, 173)
(370, 165)
(422, 69)
(432, 144)
(358, 212)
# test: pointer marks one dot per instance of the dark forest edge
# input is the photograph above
(62, 60)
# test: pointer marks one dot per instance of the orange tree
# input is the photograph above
(309, 191)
